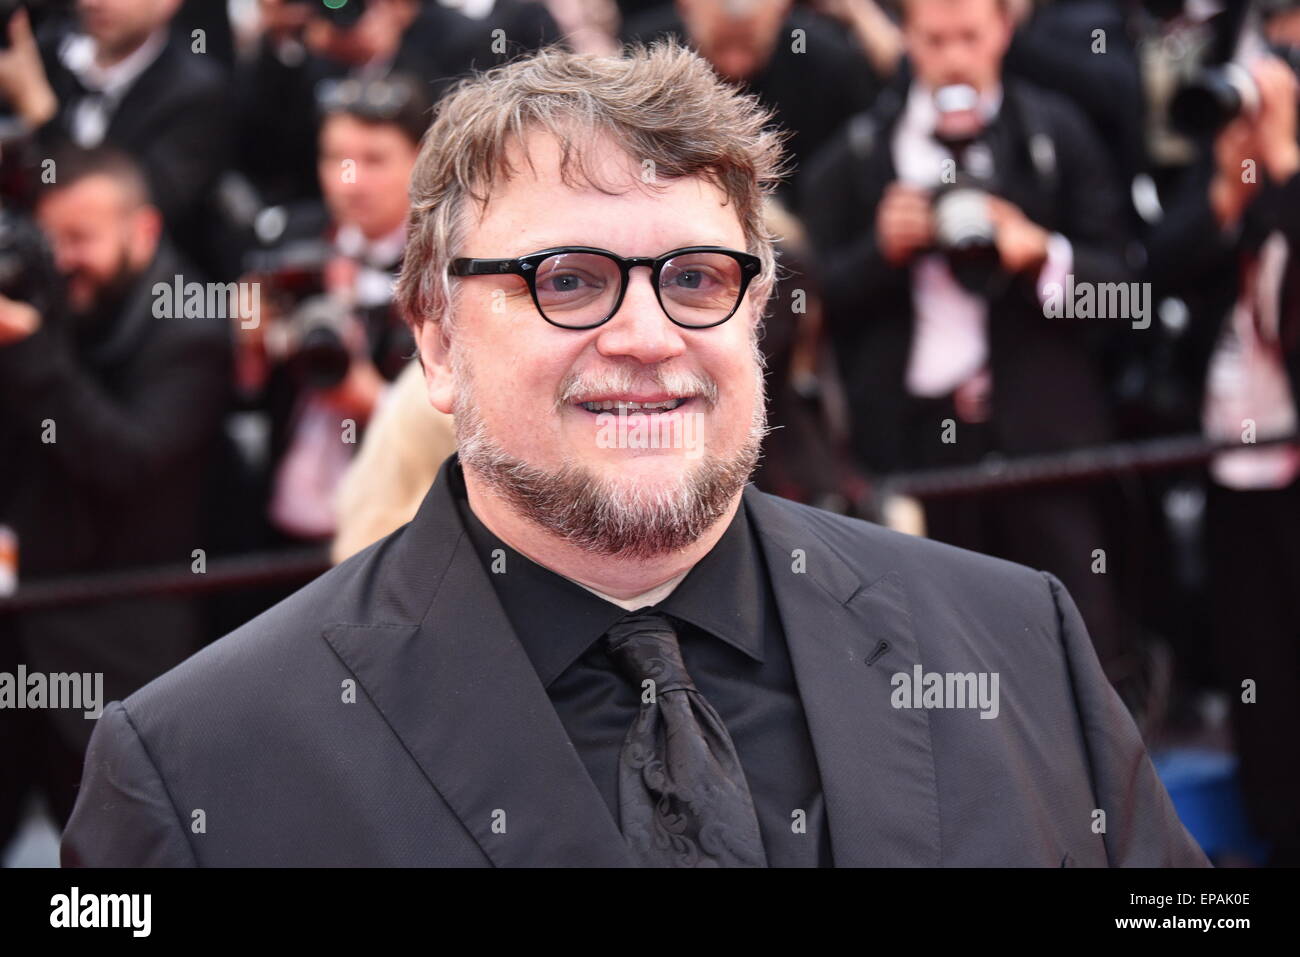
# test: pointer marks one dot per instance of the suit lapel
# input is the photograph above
(434, 651)
(458, 689)
(142, 98)
(876, 764)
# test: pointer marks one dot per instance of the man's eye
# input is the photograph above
(568, 282)
(692, 279)
(562, 283)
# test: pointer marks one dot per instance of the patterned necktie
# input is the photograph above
(683, 799)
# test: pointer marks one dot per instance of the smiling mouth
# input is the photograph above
(623, 406)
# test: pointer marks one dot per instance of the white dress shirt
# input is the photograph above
(302, 501)
(1246, 379)
(106, 85)
(376, 260)
(950, 335)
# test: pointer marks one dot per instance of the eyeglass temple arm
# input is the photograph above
(485, 267)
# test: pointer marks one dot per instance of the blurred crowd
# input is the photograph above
(1011, 228)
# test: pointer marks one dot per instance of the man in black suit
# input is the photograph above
(117, 76)
(1230, 249)
(304, 45)
(595, 644)
(797, 61)
(946, 353)
(106, 416)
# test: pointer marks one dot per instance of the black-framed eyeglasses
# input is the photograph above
(580, 287)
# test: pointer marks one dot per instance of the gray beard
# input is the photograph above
(599, 516)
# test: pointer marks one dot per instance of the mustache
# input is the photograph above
(624, 379)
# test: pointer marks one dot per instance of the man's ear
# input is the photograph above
(435, 356)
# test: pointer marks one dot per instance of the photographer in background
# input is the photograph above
(1232, 254)
(332, 345)
(305, 42)
(797, 61)
(940, 216)
(1086, 51)
(107, 415)
(118, 76)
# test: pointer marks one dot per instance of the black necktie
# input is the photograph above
(683, 799)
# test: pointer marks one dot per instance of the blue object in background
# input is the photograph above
(1203, 786)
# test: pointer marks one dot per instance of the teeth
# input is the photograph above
(610, 405)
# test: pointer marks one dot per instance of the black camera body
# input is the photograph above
(27, 271)
(316, 332)
(1212, 98)
(963, 230)
(318, 352)
(309, 326)
(311, 334)
(1221, 87)
(965, 234)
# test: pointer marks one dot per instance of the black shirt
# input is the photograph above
(733, 646)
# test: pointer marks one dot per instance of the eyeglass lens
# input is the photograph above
(580, 289)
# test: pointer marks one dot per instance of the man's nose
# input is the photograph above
(640, 329)
(960, 62)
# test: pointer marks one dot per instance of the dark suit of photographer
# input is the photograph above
(321, 365)
(794, 60)
(107, 414)
(121, 78)
(1230, 249)
(302, 46)
(1031, 384)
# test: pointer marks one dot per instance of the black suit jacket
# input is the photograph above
(279, 116)
(175, 120)
(813, 89)
(122, 486)
(278, 113)
(452, 753)
(1047, 392)
(1192, 257)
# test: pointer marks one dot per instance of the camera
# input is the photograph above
(27, 272)
(1221, 88)
(316, 333)
(318, 351)
(964, 233)
(1213, 98)
(311, 336)
(308, 335)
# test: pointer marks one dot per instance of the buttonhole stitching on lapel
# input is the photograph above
(875, 655)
